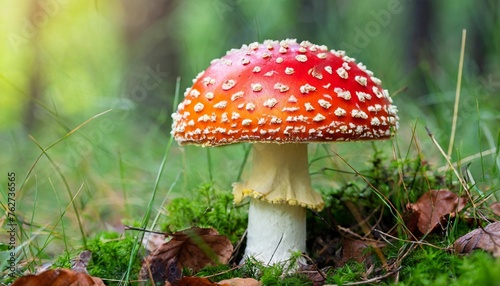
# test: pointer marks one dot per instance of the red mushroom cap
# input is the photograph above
(284, 92)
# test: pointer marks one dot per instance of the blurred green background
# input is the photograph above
(63, 62)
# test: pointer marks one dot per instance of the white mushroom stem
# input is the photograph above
(280, 188)
(275, 231)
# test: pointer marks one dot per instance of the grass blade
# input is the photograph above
(457, 95)
(56, 142)
(67, 187)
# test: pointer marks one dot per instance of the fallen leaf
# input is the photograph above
(495, 207)
(44, 267)
(58, 277)
(487, 239)
(193, 248)
(356, 249)
(152, 241)
(79, 264)
(433, 208)
(352, 249)
(317, 276)
(355, 246)
(239, 282)
(193, 281)
(411, 218)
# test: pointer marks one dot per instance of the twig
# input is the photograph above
(224, 272)
(238, 246)
(460, 179)
(275, 249)
(346, 232)
(126, 227)
(323, 275)
(457, 94)
(400, 258)
(419, 242)
(385, 199)
(150, 274)
(366, 229)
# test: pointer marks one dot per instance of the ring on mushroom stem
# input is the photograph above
(281, 95)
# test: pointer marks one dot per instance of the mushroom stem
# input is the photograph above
(280, 188)
(275, 231)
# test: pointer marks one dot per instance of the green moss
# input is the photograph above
(110, 256)
(350, 272)
(218, 273)
(275, 276)
(269, 275)
(63, 261)
(206, 207)
(430, 266)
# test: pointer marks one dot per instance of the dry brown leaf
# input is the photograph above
(352, 249)
(239, 282)
(434, 207)
(487, 239)
(495, 207)
(152, 241)
(193, 281)
(356, 249)
(58, 277)
(79, 264)
(193, 248)
(313, 273)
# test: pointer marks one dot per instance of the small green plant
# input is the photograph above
(63, 261)
(277, 274)
(351, 271)
(110, 256)
(207, 207)
(431, 266)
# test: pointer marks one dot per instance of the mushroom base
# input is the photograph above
(279, 175)
(274, 231)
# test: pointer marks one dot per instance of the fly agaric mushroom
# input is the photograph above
(280, 95)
